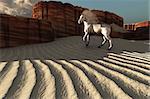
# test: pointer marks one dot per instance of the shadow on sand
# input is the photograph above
(72, 48)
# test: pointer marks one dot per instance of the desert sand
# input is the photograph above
(74, 48)
(66, 69)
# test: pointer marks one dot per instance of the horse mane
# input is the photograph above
(91, 18)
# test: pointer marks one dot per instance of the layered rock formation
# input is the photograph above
(64, 17)
(139, 30)
(134, 26)
(16, 31)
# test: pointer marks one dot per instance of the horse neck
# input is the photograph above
(86, 23)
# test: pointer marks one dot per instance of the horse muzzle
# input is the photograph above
(79, 22)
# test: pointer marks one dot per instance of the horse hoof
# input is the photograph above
(83, 40)
(109, 49)
(99, 46)
(86, 45)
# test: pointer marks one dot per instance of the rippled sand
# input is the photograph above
(66, 69)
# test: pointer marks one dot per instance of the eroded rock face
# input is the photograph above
(64, 17)
(56, 20)
(16, 31)
(138, 31)
(134, 26)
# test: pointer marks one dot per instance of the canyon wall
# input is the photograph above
(64, 17)
(138, 31)
(50, 19)
(16, 31)
(134, 26)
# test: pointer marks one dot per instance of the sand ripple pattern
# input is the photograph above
(116, 76)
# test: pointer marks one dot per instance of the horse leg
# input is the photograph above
(104, 41)
(110, 42)
(87, 40)
(84, 37)
(86, 26)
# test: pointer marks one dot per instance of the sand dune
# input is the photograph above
(82, 83)
(73, 79)
(46, 86)
(2, 65)
(68, 90)
(104, 85)
(7, 76)
(27, 83)
(130, 86)
(124, 70)
(65, 69)
(130, 60)
(127, 65)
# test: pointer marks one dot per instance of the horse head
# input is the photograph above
(89, 17)
(81, 19)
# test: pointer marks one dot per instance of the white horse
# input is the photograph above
(105, 29)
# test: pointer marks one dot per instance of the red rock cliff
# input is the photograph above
(64, 17)
(16, 31)
(139, 30)
(134, 26)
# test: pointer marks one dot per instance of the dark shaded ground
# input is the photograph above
(72, 48)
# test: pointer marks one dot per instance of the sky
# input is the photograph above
(131, 10)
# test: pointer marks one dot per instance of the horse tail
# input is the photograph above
(116, 28)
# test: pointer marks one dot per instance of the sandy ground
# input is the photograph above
(72, 48)
(66, 69)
